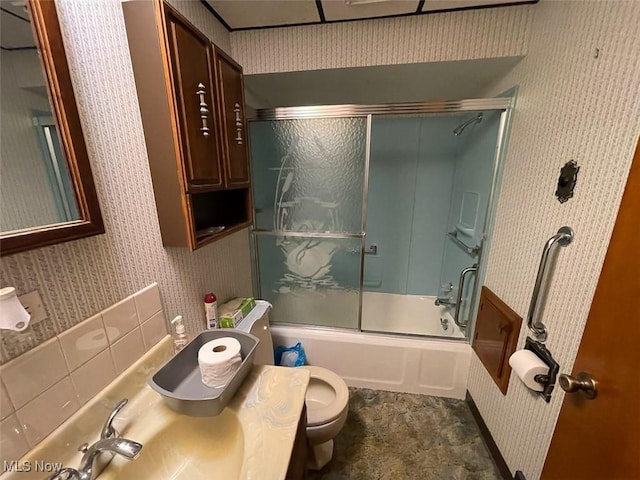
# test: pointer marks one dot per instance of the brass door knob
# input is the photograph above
(580, 383)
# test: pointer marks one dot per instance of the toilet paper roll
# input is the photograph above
(218, 360)
(527, 365)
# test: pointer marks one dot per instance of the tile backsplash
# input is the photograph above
(42, 388)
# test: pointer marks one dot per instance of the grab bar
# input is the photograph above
(463, 275)
(470, 250)
(563, 238)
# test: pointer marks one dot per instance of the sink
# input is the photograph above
(187, 448)
(252, 437)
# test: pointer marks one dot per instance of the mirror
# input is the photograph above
(47, 193)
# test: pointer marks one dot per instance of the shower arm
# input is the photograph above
(460, 128)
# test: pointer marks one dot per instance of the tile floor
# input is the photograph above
(401, 436)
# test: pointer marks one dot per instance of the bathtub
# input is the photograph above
(384, 362)
(407, 314)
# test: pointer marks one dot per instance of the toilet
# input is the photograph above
(327, 396)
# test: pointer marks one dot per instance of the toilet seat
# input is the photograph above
(327, 396)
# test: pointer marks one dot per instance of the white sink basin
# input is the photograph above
(187, 448)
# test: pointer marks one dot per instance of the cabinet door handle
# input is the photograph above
(204, 109)
(238, 111)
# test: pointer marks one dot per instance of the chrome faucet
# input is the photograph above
(444, 302)
(110, 443)
(116, 445)
(446, 297)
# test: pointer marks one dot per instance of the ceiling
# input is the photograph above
(255, 14)
(15, 28)
(415, 82)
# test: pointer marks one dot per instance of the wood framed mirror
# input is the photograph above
(47, 192)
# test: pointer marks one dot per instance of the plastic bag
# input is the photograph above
(291, 356)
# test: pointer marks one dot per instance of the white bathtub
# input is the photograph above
(384, 362)
(407, 314)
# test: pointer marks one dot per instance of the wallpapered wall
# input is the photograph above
(77, 279)
(570, 106)
(499, 32)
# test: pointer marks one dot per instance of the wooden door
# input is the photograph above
(232, 119)
(194, 85)
(600, 438)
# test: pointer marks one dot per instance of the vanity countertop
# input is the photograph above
(251, 439)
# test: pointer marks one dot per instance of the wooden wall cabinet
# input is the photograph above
(191, 97)
(233, 123)
(496, 336)
(195, 94)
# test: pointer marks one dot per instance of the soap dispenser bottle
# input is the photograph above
(180, 338)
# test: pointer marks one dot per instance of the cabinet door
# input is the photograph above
(232, 119)
(196, 101)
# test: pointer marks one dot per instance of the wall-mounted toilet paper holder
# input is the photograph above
(547, 381)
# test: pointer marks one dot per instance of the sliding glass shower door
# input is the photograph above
(309, 178)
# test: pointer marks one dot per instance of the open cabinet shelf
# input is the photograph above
(230, 209)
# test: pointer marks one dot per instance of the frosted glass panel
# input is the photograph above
(308, 174)
(311, 281)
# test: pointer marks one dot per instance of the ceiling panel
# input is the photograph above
(354, 9)
(431, 5)
(263, 13)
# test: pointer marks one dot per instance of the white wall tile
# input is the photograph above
(154, 330)
(47, 411)
(83, 342)
(119, 319)
(127, 350)
(93, 376)
(92, 369)
(13, 443)
(148, 302)
(6, 407)
(31, 374)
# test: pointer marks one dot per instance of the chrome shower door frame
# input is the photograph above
(504, 104)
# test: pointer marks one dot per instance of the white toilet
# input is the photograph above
(327, 396)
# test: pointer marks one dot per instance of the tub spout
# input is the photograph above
(444, 302)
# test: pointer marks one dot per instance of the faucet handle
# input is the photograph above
(108, 431)
(64, 474)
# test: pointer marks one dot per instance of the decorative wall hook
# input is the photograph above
(567, 181)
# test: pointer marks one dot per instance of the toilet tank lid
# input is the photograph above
(259, 311)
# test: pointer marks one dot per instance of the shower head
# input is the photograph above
(460, 128)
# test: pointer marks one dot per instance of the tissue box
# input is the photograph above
(234, 311)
